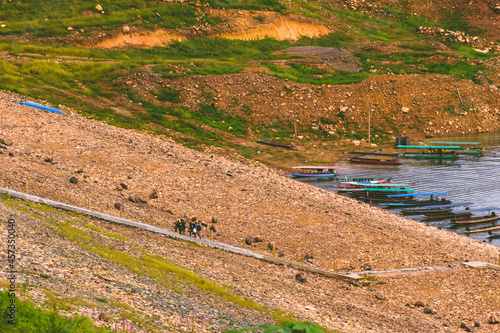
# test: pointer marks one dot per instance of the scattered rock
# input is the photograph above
(380, 296)
(7, 143)
(73, 180)
(249, 240)
(11, 154)
(124, 186)
(213, 228)
(301, 277)
(104, 316)
(494, 318)
(281, 254)
(153, 195)
(99, 8)
(119, 205)
(70, 28)
(126, 28)
(270, 246)
(429, 311)
(132, 199)
(477, 323)
(404, 109)
(48, 159)
(466, 326)
(419, 304)
(215, 220)
(258, 239)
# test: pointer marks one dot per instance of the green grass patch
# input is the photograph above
(273, 5)
(163, 272)
(31, 318)
(53, 18)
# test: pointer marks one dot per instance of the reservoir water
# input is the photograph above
(467, 179)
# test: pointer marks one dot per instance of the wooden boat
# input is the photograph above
(472, 148)
(277, 144)
(373, 161)
(493, 234)
(432, 208)
(482, 229)
(380, 192)
(408, 200)
(364, 179)
(380, 181)
(446, 215)
(477, 219)
(316, 171)
(380, 161)
(430, 152)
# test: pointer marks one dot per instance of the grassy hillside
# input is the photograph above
(47, 53)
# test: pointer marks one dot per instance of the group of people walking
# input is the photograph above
(190, 225)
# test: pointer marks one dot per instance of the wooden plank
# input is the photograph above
(172, 234)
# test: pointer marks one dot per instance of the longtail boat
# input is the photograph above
(382, 179)
(474, 150)
(482, 229)
(447, 215)
(430, 152)
(432, 208)
(373, 161)
(408, 200)
(381, 161)
(316, 171)
(277, 144)
(479, 219)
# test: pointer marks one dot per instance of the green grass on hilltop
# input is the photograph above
(52, 18)
(88, 79)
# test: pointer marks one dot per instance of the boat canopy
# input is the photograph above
(416, 194)
(42, 107)
(438, 206)
(427, 147)
(456, 143)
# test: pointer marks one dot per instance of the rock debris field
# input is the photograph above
(156, 181)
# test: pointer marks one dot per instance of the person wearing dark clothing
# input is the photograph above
(198, 230)
(191, 225)
(183, 226)
(178, 226)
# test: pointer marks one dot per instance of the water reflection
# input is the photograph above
(467, 179)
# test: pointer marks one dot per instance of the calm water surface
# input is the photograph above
(467, 179)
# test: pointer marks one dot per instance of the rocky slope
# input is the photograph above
(157, 181)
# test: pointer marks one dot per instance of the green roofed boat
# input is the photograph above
(471, 149)
(430, 152)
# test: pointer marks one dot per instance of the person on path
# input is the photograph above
(178, 226)
(183, 226)
(191, 225)
(198, 230)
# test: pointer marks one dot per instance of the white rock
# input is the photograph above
(405, 109)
